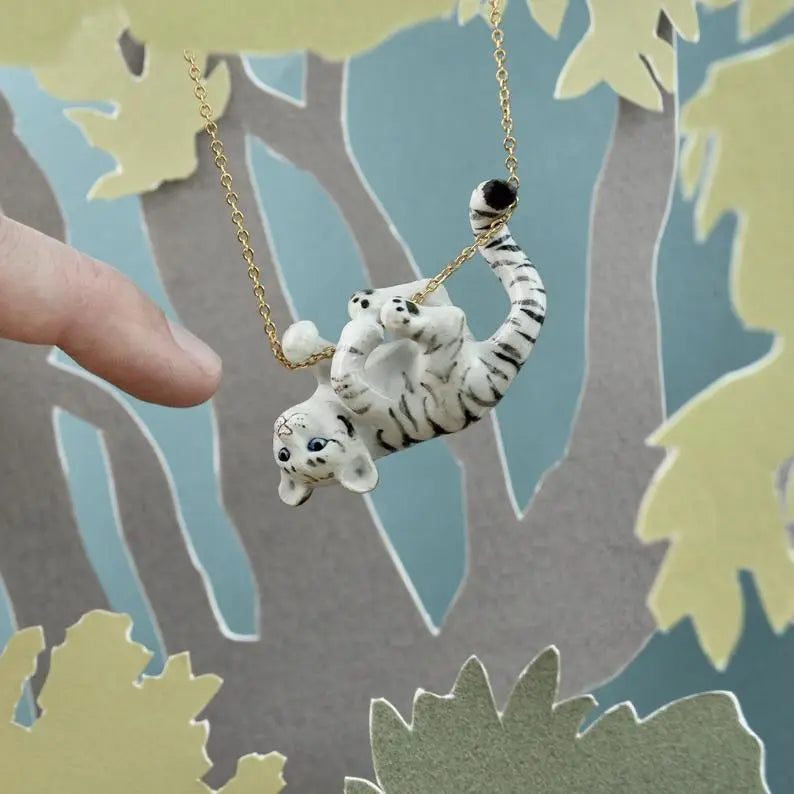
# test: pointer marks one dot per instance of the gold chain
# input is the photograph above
(238, 219)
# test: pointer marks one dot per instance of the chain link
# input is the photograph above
(238, 218)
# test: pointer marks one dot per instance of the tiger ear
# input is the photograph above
(360, 475)
(293, 493)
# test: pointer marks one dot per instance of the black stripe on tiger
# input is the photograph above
(538, 318)
(388, 447)
(430, 391)
(509, 359)
(351, 431)
(468, 417)
(407, 441)
(407, 411)
(498, 241)
(479, 400)
(434, 426)
(493, 369)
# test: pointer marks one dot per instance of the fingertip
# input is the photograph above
(202, 355)
(201, 369)
(199, 391)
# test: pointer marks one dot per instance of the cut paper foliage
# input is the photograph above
(549, 14)
(104, 727)
(757, 16)
(468, 9)
(332, 30)
(151, 133)
(714, 497)
(623, 49)
(672, 665)
(460, 742)
(622, 46)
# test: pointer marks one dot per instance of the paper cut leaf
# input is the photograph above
(468, 9)
(714, 496)
(671, 665)
(549, 14)
(621, 40)
(787, 491)
(259, 774)
(332, 30)
(17, 665)
(152, 131)
(461, 743)
(104, 728)
(758, 16)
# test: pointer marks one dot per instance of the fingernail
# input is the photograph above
(202, 354)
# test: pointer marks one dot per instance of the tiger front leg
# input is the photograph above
(359, 338)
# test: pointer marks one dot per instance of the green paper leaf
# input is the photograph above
(460, 743)
(536, 687)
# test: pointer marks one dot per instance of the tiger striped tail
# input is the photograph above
(510, 346)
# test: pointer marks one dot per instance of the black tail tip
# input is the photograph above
(498, 194)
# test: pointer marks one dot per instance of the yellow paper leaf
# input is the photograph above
(549, 14)
(693, 156)
(17, 665)
(621, 39)
(468, 9)
(90, 65)
(714, 497)
(257, 774)
(757, 16)
(152, 132)
(789, 503)
(178, 682)
(683, 16)
(103, 730)
(333, 30)
(746, 105)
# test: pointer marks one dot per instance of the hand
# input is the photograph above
(51, 294)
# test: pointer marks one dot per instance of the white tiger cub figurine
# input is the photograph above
(376, 397)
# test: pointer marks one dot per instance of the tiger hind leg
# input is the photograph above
(431, 327)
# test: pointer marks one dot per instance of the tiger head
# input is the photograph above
(316, 445)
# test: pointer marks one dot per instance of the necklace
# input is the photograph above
(376, 396)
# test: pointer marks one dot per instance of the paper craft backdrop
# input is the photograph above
(516, 535)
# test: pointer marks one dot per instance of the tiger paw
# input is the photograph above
(366, 303)
(400, 316)
(301, 340)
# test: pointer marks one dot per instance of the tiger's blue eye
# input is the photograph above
(283, 454)
(317, 444)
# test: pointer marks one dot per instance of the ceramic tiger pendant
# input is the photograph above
(432, 378)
